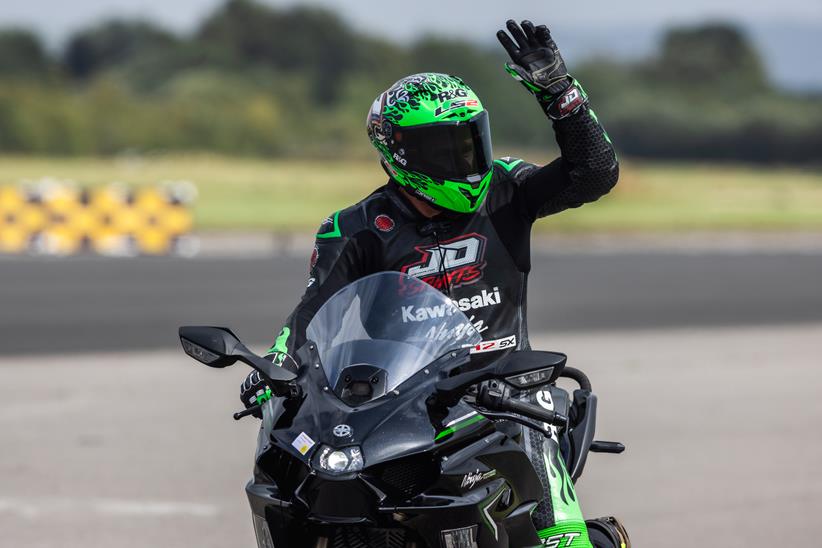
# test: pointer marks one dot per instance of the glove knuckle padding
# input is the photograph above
(537, 61)
(251, 387)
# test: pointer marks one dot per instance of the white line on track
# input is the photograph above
(35, 508)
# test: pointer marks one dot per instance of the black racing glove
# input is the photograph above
(538, 65)
(254, 391)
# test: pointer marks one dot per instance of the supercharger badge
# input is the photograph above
(303, 443)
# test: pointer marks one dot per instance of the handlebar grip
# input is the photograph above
(613, 447)
(536, 412)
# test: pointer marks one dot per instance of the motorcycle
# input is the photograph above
(384, 437)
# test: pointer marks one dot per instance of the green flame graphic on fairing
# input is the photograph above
(570, 529)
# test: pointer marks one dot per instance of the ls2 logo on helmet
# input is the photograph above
(456, 104)
(460, 261)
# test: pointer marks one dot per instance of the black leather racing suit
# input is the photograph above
(486, 254)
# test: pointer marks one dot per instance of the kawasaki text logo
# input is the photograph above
(486, 298)
(422, 313)
(413, 313)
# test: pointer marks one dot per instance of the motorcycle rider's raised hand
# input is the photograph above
(538, 65)
(536, 60)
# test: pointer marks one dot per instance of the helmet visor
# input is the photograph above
(454, 150)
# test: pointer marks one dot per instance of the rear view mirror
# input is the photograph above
(219, 347)
(213, 346)
(522, 369)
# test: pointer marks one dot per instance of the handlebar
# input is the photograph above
(500, 403)
(577, 376)
(537, 412)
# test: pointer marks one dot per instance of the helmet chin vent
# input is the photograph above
(474, 178)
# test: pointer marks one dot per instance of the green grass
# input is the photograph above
(295, 195)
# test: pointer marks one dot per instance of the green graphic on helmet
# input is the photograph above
(433, 137)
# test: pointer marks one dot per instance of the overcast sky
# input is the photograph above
(405, 20)
(787, 32)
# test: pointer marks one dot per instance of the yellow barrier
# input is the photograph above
(59, 218)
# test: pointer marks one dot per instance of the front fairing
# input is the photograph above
(391, 427)
(393, 432)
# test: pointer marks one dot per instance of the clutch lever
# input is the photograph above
(246, 412)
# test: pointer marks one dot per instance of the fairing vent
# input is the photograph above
(286, 471)
(406, 478)
(359, 537)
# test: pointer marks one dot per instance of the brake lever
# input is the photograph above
(528, 423)
(499, 402)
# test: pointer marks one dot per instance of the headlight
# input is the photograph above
(340, 461)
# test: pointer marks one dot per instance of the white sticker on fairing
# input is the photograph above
(303, 443)
(506, 343)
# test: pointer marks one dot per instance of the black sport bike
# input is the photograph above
(383, 438)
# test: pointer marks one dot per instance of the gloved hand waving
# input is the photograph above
(536, 58)
(537, 63)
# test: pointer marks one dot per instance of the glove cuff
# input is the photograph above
(570, 100)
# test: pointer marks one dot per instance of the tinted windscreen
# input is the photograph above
(390, 322)
(448, 151)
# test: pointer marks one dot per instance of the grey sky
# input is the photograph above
(787, 32)
(405, 20)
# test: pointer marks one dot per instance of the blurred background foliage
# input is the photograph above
(297, 82)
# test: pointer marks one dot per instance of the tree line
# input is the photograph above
(258, 80)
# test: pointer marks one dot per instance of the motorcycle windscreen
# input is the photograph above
(458, 151)
(378, 331)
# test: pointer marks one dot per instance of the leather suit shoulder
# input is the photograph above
(508, 174)
(376, 213)
(512, 168)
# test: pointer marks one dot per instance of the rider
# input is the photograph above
(456, 218)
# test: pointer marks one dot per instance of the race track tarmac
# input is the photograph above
(139, 449)
(95, 304)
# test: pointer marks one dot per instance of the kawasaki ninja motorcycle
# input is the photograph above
(384, 436)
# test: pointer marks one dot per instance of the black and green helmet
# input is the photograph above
(433, 136)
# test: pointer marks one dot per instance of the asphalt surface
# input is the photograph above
(94, 304)
(721, 427)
